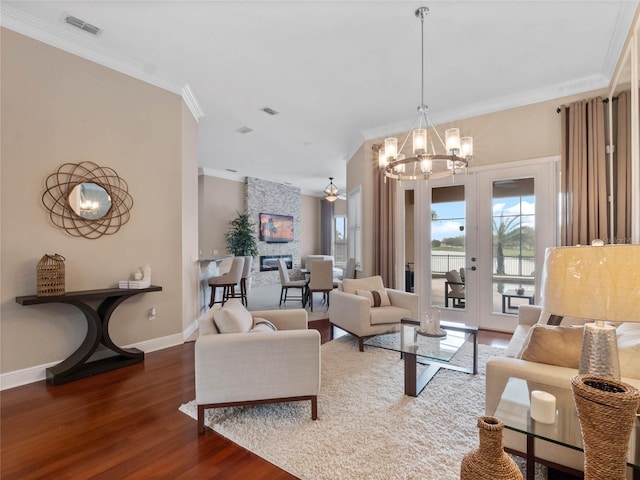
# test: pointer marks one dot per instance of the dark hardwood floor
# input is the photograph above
(126, 424)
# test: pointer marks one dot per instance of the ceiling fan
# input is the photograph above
(332, 193)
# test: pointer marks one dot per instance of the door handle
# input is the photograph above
(473, 269)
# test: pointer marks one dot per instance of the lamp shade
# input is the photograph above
(595, 282)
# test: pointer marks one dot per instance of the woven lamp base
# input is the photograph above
(489, 461)
(607, 410)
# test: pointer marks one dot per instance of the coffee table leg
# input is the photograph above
(410, 372)
(531, 458)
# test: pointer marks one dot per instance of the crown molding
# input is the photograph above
(507, 102)
(79, 44)
(193, 105)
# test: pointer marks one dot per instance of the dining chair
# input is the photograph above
(287, 283)
(321, 280)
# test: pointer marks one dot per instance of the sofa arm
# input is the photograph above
(350, 312)
(407, 300)
(529, 314)
(257, 366)
(294, 319)
(500, 369)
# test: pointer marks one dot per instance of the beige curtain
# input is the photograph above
(584, 173)
(622, 167)
(384, 201)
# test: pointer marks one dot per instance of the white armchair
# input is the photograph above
(351, 309)
(257, 367)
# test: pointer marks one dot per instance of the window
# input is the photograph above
(340, 239)
(354, 213)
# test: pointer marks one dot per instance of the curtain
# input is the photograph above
(622, 167)
(584, 215)
(384, 201)
(326, 227)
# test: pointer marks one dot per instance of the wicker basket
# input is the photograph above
(50, 273)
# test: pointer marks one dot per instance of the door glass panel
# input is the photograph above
(513, 274)
(448, 246)
(409, 251)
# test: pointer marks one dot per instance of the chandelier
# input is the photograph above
(331, 191)
(426, 162)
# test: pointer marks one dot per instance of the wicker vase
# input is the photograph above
(607, 410)
(489, 461)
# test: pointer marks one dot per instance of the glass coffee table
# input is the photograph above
(514, 411)
(435, 352)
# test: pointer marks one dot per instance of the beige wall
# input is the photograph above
(190, 270)
(523, 133)
(220, 201)
(58, 108)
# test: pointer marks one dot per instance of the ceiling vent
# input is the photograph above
(269, 111)
(244, 130)
(82, 25)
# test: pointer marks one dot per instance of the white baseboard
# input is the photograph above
(37, 373)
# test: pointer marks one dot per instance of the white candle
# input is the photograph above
(543, 406)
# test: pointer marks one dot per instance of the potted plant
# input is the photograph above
(240, 238)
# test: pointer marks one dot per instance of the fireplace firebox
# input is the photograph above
(270, 262)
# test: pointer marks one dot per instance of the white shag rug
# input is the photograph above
(367, 428)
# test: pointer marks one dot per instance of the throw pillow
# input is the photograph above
(561, 346)
(377, 298)
(263, 325)
(350, 285)
(233, 317)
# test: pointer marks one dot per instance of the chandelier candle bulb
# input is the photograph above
(382, 159)
(543, 406)
(452, 139)
(420, 141)
(391, 147)
(466, 147)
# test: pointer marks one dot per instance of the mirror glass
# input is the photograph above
(89, 201)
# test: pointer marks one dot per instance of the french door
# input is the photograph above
(474, 244)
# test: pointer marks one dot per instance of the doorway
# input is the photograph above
(474, 245)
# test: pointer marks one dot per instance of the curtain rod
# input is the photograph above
(604, 100)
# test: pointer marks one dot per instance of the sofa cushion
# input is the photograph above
(377, 298)
(391, 314)
(350, 285)
(628, 337)
(561, 346)
(233, 317)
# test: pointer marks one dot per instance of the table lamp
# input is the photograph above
(600, 283)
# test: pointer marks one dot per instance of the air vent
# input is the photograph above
(82, 25)
(244, 130)
(269, 111)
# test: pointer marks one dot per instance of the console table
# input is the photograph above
(76, 366)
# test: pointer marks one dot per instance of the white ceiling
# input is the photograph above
(339, 72)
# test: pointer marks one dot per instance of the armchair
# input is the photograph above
(351, 310)
(454, 289)
(234, 369)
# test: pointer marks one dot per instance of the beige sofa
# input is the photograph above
(352, 311)
(500, 369)
(256, 366)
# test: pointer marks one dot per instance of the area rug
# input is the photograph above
(366, 428)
